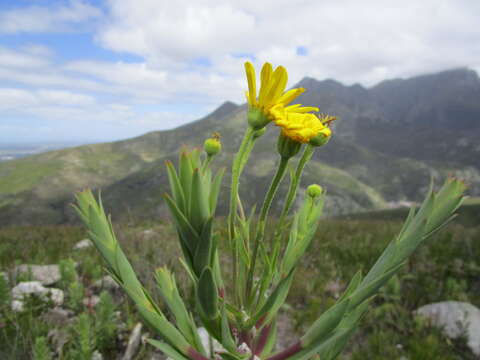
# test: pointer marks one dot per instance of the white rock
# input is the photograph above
(456, 319)
(29, 288)
(133, 342)
(105, 283)
(205, 338)
(97, 355)
(45, 274)
(91, 301)
(17, 305)
(83, 244)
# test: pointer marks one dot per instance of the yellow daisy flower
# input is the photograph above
(272, 93)
(301, 126)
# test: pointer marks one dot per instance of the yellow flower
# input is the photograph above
(301, 126)
(272, 93)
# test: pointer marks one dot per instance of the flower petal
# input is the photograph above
(264, 82)
(252, 83)
(290, 95)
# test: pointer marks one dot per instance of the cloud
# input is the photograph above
(15, 98)
(42, 19)
(189, 55)
(348, 40)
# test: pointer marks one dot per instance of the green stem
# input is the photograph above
(292, 191)
(237, 167)
(282, 167)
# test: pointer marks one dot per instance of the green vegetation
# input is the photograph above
(446, 269)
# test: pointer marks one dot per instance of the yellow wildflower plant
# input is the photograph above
(301, 126)
(272, 93)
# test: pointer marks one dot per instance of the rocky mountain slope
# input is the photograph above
(388, 142)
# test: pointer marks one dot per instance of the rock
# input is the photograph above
(17, 306)
(334, 288)
(91, 301)
(58, 337)
(57, 316)
(97, 355)
(83, 244)
(45, 274)
(133, 342)
(28, 288)
(205, 338)
(456, 319)
(4, 275)
(105, 283)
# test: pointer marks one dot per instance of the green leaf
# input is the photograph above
(185, 172)
(274, 302)
(324, 325)
(189, 234)
(207, 294)
(167, 350)
(199, 209)
(366, 290)
(203, 251)
(175, 186)
(215, 190)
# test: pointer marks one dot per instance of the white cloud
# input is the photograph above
(190, 54)
(47, 19)
(348, 40)
(22, 99)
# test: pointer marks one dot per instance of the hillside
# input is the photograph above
(389, 141)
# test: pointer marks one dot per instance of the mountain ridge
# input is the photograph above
(373, 157)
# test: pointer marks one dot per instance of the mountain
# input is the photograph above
(388, 142)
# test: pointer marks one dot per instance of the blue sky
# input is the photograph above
(101, 70)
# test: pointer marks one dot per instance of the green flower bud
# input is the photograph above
(287, 147)
(212, 146)
(314, 190)
(256, 118)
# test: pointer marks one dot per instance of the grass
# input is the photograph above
(445, 269)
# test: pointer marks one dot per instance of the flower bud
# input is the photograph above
(212, 146)
(256, 118)
(314, 190)
(287, 147)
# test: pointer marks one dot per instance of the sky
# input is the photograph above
(102, 70)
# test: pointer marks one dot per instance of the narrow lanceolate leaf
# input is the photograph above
(167, 350)
(185, 175)
(207, 294)
(169, 291)
(324, 325)
(203, 250)
(199, 208)
(175, 186)
(352, 286)
(366, 290)
(215, 190)
(227, 339)
(447, 201)
(189, 234)
(274, 302)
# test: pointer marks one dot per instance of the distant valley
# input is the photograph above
(390, 140)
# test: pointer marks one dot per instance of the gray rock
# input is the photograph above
(105, 283)
(58, 316)
(456, 319)
(45, 274)
(133, 342)
(83, 244)
(91, 301)
(29, 288)
(97, 355)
